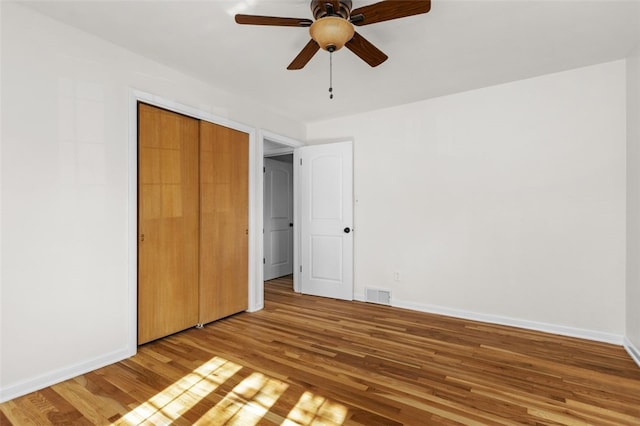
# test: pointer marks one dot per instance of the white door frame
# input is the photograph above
(256, 293)
(259, 188)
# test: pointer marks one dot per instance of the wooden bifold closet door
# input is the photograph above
(192, 222)
(168, 217)
(224, 185)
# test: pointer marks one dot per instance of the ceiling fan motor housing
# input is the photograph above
(321, 8)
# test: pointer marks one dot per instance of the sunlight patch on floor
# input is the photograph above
(247, 403)
(185, 393)
(316, 410)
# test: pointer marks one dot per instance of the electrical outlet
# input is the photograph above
(396, 276)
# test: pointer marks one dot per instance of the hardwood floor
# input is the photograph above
(308, 360)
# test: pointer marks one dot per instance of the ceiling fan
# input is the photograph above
(333, 26)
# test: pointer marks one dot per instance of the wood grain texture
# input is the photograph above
(305, 55)
(168, 215)
(272, 20)
(224, 221)
(365, 50)
(308, 360)
(386, 10)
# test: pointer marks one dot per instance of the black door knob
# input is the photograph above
(347, 230)
(291, 225)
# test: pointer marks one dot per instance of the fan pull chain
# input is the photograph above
(330, 74)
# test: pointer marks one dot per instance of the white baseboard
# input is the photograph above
(633, 351)
(40, 382)
(512, 322)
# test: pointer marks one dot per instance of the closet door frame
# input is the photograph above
(256, 296)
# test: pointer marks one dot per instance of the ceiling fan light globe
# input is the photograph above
(331, 32)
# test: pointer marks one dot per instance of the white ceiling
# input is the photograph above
(457, 46)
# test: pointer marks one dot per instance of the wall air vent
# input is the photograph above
(374, 295)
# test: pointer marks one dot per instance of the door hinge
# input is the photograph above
(300, 268)
(264, 170)
(301, 161)
(264, 261)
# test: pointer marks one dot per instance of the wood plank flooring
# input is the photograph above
(306, 360)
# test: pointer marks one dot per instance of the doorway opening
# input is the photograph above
(278, 219)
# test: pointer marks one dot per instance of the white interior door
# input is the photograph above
(326, 218)
(278, 218)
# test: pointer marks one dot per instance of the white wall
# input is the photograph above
(504, 204)
(633, 205)
(64, 194)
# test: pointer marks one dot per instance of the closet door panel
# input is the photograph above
(168, 215)
(224, 192)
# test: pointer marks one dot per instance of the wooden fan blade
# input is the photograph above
(390, 9)
(273, 20)
(365, 50)
(304, 56)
